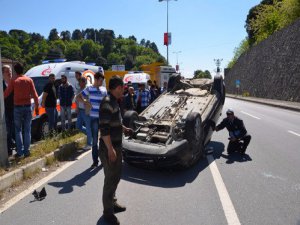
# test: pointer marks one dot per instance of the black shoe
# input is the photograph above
(27, 155)
(111, 219)
(17, 156)
(119, 208)
(94, 165)
(243, 151)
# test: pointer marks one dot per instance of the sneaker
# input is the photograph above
(87, 147)
(111, 219)
(94, 165)
(119, 208)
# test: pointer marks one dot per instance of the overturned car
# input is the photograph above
(174, 129)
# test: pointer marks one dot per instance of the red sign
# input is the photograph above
(167, 38)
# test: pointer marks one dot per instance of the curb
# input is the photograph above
(278, 105)
(18, 175)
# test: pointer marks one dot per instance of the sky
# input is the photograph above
(202, 30)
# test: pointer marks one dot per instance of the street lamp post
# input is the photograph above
(167, 27)
(177, 65)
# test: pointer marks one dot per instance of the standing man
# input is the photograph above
(92, 97)
(66, 95)
(130, 99)
(164, 87)
(24, 90)
(144, 97)
(237, 132)
(49, 102)
(9, 109)
(83, 122)
(111, 129)
(78, 75)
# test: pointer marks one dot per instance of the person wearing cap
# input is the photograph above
(237, 132)
(66, 95)
(49, 102)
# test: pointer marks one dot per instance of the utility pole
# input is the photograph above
(167, 28)
(3, 134)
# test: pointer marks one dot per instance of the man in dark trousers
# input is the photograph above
(110, 151)
(9, 109)
(237, 132)
(66, 95)
(49, 102)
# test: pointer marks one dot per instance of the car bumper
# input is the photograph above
(152, 155)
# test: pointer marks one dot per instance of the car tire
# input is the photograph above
(195, 137)
(129, 118)
(219, 87)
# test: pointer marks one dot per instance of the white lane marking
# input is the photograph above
(292, 132)
(269, 175)
(250, 115)
(229, 211)
(29, 190)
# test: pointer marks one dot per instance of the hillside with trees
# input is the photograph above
(263, 20)
(89, 45)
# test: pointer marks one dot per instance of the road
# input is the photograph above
(261, 188)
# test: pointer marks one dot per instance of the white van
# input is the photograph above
(136, 79)
(39, 75)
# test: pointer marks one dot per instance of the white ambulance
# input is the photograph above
(39, 75)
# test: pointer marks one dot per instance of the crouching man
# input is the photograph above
(110, 151)
(238, 137)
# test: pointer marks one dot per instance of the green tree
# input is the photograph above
(53, 35)
(114, 59)
(271, 16)
(73, 51)
(77, 35)
(65, 35)
(202, 74)
(243, 47)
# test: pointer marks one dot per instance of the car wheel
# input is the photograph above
(129, 118)
(219, 87)
(194, 135)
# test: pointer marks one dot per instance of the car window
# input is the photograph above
(39, 83)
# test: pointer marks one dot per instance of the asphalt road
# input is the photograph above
(261, 188)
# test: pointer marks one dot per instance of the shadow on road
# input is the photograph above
(79, 180)
(101, 221)
(219, 149)
(167, 178)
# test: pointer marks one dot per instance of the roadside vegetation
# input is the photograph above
(41, 149)
(263, 20)
(90, 45)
